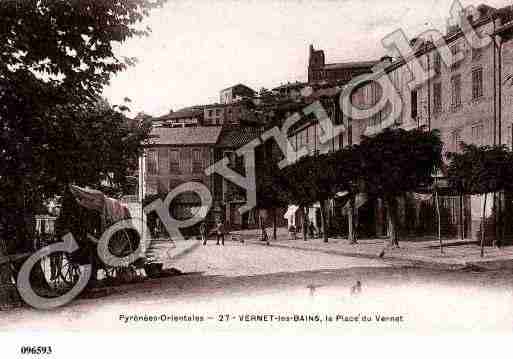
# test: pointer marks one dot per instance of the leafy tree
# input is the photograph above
(348, 169)
(481, 170)
(395, 162)
(321, 178)
(270, 191)
(55, 59)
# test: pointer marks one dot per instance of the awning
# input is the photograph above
(114, 210)
(88, 198)
(291, 211)
(341, 194)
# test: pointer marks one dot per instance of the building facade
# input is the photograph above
(233, 114)
(176, 156)
(467, 101)
(182, 118)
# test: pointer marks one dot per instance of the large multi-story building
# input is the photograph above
(462, 99)
(468, 100)
(176, 156)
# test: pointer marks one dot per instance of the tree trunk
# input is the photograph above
(483, 226)
(274, 225)
(305, 222)
(393, 222)
(392, 219)
(498, 222)
(351, 232)
(324, 221)
(462, 224)
(438, 217)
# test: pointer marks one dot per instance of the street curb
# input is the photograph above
(412, 262)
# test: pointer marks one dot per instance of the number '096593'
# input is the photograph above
(36, 350)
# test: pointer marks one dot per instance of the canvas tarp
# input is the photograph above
(112, 209)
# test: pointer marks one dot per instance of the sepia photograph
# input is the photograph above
(177, 169)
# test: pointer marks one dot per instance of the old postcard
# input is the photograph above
(176, 169)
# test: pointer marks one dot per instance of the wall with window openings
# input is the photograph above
(169, 166)
(458, 100)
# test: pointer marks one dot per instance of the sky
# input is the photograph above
(199, 47)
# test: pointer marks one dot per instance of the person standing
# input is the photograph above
(311, 229)
(203, 232)
(220, 232)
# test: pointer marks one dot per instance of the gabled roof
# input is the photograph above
(238, 85)
(185, 136)
(236, 137)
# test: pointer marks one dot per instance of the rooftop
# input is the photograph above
(238, 85)
(237, 137)
(185, 113)
(185, 136)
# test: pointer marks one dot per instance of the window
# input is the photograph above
(231, 156)
(454, 51)
(476, 53)
(174, 161)
(197, 164)
(152, 162)
(477, 83)
(218, 112)
(477, 134)
(456, 91)
(437, 97)
(414, 104)
(455, 140)
(210, 113)
(437, 63)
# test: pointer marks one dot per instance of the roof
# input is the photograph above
(350, 65)
(185, 136)
(196, 107)
(504, 13)
(238, 85)
(187, 113)
(237, 137)
(291, 85)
